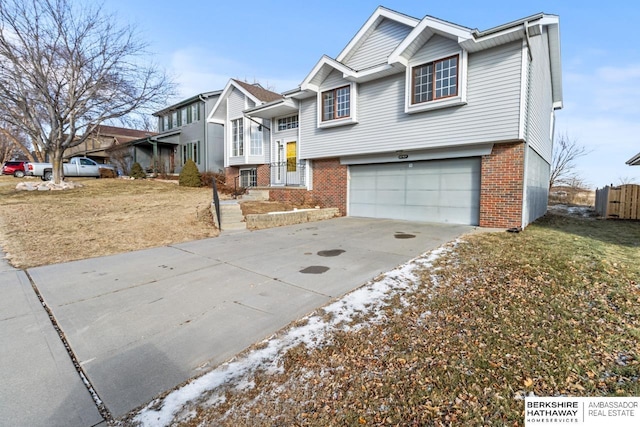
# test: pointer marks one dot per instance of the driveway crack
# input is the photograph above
(102, 409)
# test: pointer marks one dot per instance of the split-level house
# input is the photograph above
(246, 142)
(419, 119)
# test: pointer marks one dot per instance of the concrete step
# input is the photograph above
(254, 194)
(230, 216)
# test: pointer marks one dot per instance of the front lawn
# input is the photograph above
(553, 310)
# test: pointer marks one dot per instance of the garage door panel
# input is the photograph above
(436, 190)
(390, 182)
(363, 197)
(390, 197)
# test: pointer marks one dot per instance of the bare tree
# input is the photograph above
(66, 68)
(565, 153)
(623, 180)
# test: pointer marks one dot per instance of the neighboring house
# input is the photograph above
(247, 141)
(104, 138)
(183, 127)
(634, 161)
(422, 119)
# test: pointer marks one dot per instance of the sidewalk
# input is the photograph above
(144, 322)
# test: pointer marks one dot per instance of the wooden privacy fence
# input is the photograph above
(622, 202)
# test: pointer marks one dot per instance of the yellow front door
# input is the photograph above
(291, 156)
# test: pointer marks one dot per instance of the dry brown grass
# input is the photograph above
(554, 310)
(105, 217)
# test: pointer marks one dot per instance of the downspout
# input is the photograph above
(525, 157)
(205, 145)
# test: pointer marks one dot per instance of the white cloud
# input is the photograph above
(197, 70)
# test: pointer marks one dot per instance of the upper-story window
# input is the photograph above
(336, 103)
(174, 119)
(184, 119)
(435, 80)
(195, 112)
(164, 123)
(237, 137)
(290, 122)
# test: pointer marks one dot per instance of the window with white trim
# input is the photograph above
(191, 150)
(336, 103)
(195, 112)
(237, 137)
(183, 116)
(174, 119)
(255, 148)
(435, 80)
(290, 122)
(248, 178)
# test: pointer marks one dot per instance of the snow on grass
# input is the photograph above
(312, 331)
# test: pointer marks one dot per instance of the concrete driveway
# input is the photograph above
(141, 323)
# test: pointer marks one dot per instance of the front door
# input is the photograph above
(292, 163)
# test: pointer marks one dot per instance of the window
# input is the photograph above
(183, 117)
(191, 151)
(237, 137)
(256, 140)
(174, 120)
(195, 112)
(336, 103)
(290, 122)
(163, 123)
(248, 178)
(167, 122)
(435, 80)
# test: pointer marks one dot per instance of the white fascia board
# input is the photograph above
(378, 15)
(368, 74)
(325, 61)
(555, 59)
(634, 161)
(437, 26)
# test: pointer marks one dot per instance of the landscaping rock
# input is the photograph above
(47, 186)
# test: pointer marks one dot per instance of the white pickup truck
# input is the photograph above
(77, 166)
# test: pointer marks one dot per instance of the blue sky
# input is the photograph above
(203, 44)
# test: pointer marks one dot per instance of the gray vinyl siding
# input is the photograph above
(540, 101)
(536, 187)
(436, 47)
(492, 113)
(235, 104)
(333, 80)
(379, 45)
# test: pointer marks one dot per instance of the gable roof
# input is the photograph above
(185, 102)
(121, 134)
(258, 92)
(255, 92)
(380, 14)
(471, 40)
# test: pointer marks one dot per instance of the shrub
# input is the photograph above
(190, 176)
(107, 173)
(137, 172)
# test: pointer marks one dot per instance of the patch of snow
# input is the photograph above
(370, 298)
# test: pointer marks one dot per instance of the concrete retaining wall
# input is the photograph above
(277, 219)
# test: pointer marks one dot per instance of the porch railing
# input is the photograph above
(288, 173)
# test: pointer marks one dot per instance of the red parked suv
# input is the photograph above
(14, 167)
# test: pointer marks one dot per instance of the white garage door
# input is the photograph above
(432, 191)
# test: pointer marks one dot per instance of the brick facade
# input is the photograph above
(329, 187)
(501, 188)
